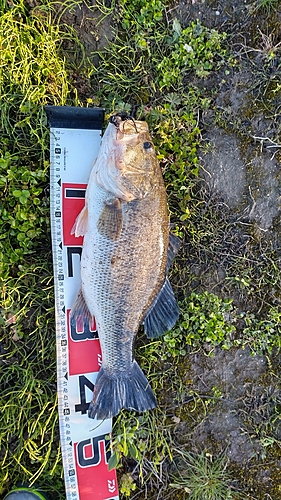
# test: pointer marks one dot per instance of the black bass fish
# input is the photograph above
(126, 255)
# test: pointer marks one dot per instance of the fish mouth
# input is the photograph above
(123, 116)
(126, 125)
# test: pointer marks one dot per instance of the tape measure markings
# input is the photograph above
(85, 449)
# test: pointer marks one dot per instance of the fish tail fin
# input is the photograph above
(114, 391)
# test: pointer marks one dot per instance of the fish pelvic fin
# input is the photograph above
(163, 313)
(79, 312)
(114, 391)
(111, 220)
(81, 224)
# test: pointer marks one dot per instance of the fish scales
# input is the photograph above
(124, 261)
(123, 277)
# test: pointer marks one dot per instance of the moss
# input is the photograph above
(260, 480)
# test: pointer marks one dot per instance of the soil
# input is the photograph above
(241, 166)
(241, 174)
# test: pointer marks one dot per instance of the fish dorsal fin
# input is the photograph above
(81, 224)
(163, 313)
(111, 220)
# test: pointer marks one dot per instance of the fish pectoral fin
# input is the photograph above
(173, 247)
(111, 220)
(162, 314)
(80, 312)
(81, 224)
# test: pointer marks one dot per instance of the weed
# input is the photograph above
(33, 74)
(177, 136)
(141, 438)
(266, 5)
(206, 318)
(155, 57)
(23, 219)
(127, 485)
(261, 415)
(193, 48)
(29, 429)
(126, 442)
(209, 319)
(262, 334)
(144, 443)
(203, 477)
(28, 384)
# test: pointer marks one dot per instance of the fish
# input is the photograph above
(126, 255)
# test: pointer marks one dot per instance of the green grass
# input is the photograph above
(29, 435)
(204, 477)
(266, 5)
(155, 66)
(33, 73)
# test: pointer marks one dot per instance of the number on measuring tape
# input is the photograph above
(95, 445)
(83, 383)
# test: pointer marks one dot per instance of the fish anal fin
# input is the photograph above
(163, 313)
(80, 313)
(111, 220)
(81, 224)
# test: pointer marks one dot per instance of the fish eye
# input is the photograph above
(147, 145)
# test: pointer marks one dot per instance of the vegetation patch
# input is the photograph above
(203, 478)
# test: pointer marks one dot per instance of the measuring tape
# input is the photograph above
(75, 136)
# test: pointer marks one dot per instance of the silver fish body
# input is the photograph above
(124, 263)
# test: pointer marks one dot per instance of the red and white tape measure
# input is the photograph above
(75, 136)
